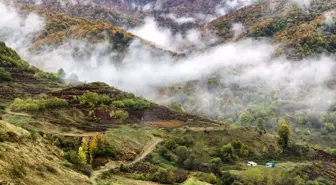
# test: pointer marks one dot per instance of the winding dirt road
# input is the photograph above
(150, 146)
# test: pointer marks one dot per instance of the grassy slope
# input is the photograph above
(24, 160)
(23, 82)
(60, 120)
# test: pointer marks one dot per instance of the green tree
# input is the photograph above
(245, 118)
(261, 124)
(215, 165)
(284, 133)
(330, 127)
(4, 75)
(163, 176)
(226, 178)
(228, 153)
(244, 151)
(170, 144)
(61, 73)
(182, 153)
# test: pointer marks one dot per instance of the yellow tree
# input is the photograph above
(82, 155)
(284, 133)
(93, 147)
(96, 144)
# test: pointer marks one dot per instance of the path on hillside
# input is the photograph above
(150, 146)
(204, 129)
(8, 111)
(74, 134)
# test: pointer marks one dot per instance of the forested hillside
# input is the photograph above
(303, 31)
(189, 92)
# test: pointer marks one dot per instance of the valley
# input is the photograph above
(167, 92)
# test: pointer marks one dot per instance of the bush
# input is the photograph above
(163, 176)
(226, 178)
(182, 153)
(191, 162)
(93, 99)
(330, 127)
(125, 168)
(136, 104)
(72, 157)
(4, 75)
(108, 152)
(170, 144)
(37, 104)
(118, 104)
(212, 179)
(228, 153)
(333, 152)
(215, 165)
(244, 151)
(119, 114)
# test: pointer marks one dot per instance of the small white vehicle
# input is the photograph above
(251, 164)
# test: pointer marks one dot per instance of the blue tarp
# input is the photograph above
(270, 165)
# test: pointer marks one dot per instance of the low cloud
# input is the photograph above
(227, 6)
(182, 20)
(303, 3)
(246, 71)
(164, 37)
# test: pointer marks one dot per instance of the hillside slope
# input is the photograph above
(302, 31)
(28, 159)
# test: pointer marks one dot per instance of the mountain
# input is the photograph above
(47, 109)
(302, 31)
(251, 102)
(61, 28)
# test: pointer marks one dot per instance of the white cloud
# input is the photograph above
(246, 63)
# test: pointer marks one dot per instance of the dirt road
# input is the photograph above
(150, 146)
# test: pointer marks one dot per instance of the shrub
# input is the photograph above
(228, 153)
(136, 104)
(118, 104)
(170, 144)
(264, 150)
(37, 104)
(72, 157)
(125, 168)
(226, 178)
(333, 152)
(89, 98)
(215, 164)
(182, 153)
(93, 99)
(119, 114)
(212, 179)
(4, 75)
(108, 152)
(191, 162)
(244, 151)
(330, 127)
(163, 176)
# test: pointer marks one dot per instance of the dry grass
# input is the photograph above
(165, 124)
(119, 180)
(30, 161)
